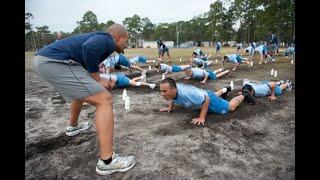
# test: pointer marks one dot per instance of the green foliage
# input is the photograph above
(148, 29)
(134, 26)
(89, 23)
(255, 18)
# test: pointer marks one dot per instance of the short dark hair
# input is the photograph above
(170, 81)
(225, 57)
(247, 87)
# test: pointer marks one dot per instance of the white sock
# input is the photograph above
(224, 90)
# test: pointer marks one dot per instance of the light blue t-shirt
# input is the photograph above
(134, 60)
(138, 59)
(232, 58)
(108, 76)
(116, 59)
(260, 90)
(290, 50)
(218, 44)
(254, 44)
(261, 48)
(199, 73)
(189, 96)
(111, 60)
(198, 51)
(198, 61)
(250, 49)
(165, 68)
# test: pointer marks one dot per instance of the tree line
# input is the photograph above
(239, 20)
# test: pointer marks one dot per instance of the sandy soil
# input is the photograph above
(254, 142)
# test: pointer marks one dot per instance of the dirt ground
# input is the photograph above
(254, 142)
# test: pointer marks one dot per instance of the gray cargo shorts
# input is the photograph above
(68, 77)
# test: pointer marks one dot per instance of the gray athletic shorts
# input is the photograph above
(68, 77)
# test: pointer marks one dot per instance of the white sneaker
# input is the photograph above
(74, 130)
(289, 87)
(120, 163)
(143, 78)
(152, 86)
(245, 81)
(144, 72)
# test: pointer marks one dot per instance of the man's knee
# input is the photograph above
(102, 98)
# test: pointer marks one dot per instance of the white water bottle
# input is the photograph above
(180, 59)
(216, 61)
(232, 85)
(251, 63)
(292, 61)
(290, 87)
(271, 72)
(275, 73)
(124, 94)
(163, 76)
(149, 67)
(127, 103)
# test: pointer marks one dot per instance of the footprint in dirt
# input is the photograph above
(33, 110)
(57, 99)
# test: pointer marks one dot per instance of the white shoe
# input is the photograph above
(144, 72)
(119, 163)
(143, 78)
(74, 130)
(152, 86)
(245, 81)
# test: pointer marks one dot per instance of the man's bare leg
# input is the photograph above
(284, 86)
(219, 92)
(218, 70)
(183, 67)
(76, 106)
(235, 102)
(104, 121)
(222, 73)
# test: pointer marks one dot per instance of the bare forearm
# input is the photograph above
(273, 88)
(204, 108)
(137, 67)
(205, 78)
(171, 105)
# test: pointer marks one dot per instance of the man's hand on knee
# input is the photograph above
(105, 83)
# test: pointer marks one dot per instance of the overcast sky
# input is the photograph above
(62, 15)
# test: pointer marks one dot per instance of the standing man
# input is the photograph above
(71, 66)
(218, 48)
(164, 49)
(272, 43)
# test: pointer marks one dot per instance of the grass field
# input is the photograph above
(175, 53)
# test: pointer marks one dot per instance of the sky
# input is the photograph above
(62, 15)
